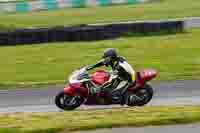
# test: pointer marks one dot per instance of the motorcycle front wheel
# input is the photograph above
(67, 102)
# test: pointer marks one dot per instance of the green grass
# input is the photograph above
(87, 120)
(156, 10)
(176, 57)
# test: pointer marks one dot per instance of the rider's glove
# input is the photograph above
(89, 68)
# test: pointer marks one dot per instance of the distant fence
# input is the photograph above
(26, 6)
(87, 32)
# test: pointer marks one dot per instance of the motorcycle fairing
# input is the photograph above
(100, 77)
(147, 75)
(76, 89)
(142, 77)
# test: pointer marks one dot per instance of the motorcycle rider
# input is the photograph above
(120, 66)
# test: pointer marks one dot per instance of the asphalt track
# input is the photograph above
(191, 128)
(42, 99)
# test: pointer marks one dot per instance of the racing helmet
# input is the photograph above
(110, 53)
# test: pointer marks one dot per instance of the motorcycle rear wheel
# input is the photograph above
(145, 93)
(64, 101)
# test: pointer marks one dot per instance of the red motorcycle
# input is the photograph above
(80, 83)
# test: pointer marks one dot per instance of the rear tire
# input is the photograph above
(148, 92)
(63, 101)
(145, 93)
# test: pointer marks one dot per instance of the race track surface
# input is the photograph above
(192, 128)
(42, 99)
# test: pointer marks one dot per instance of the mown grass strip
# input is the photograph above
(88, 120)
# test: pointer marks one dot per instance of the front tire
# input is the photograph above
(67, 102)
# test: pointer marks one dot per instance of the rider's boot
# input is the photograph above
(133, 100)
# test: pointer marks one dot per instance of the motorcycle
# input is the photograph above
(81, 82)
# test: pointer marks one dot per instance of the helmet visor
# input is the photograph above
(107, 60)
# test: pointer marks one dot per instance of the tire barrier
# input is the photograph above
(35, 5)
(87, 32)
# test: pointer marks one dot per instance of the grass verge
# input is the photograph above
(87, 120)
(175, 56)
(156, 10)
